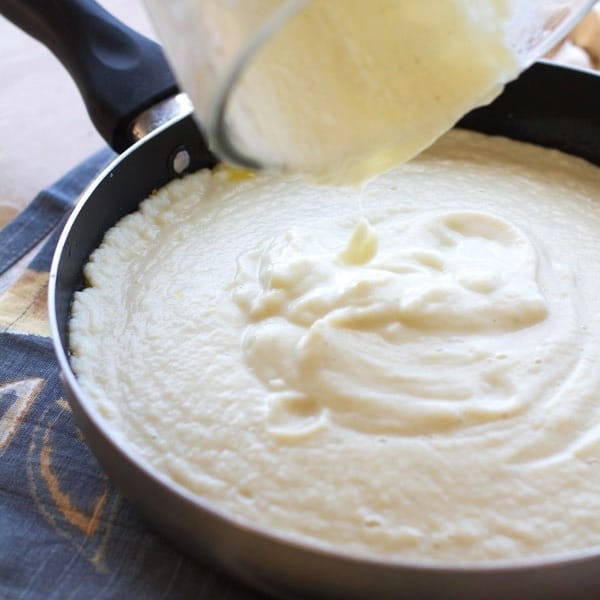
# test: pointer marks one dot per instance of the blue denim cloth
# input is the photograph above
(65, 532)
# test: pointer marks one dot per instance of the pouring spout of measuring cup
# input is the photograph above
(344, 89)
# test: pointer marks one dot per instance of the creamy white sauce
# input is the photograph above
(410, 371)
(414, 337)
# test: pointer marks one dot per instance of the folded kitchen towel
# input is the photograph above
(65, 531)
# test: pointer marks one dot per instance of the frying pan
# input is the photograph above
(131, 94)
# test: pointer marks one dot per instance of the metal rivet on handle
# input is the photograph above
(180, 161)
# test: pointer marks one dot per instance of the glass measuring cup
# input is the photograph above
(261, 75)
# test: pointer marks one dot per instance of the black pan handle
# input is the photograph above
(119, 72)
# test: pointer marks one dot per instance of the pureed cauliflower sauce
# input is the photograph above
(410, 371)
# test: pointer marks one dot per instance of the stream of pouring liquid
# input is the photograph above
(348, 88)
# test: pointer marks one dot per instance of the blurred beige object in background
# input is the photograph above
(587, 35)
(570, 54)
(582, 48)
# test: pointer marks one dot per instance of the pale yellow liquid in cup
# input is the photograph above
(347, 88)
(350, 88)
